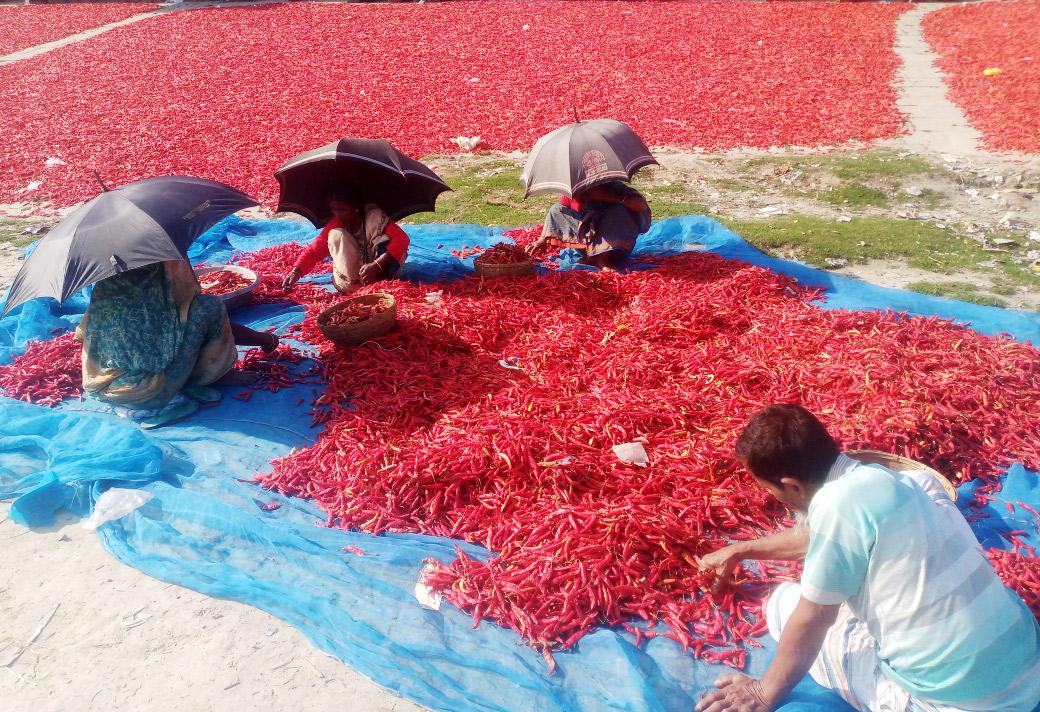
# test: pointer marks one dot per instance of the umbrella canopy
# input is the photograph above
(151, 220)
(377, 171)
(583, 154)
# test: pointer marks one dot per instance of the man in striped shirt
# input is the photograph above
(898, 609)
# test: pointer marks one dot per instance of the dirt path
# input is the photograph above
(936, 124)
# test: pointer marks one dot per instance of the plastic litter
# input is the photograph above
(632, 453)
(115, 503)
(426, 596)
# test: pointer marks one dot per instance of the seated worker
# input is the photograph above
(150, 333)
(602, 221)
(365, 246)
(897, 608)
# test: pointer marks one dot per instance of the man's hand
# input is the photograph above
(371, 272)
(735, 693)
(722, 563)
(536, 246)
(289, 281)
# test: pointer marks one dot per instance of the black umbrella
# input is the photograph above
(151, 220)
(583, 154)
(374, 169)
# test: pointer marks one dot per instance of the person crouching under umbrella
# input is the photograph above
(153, 343)
(602, 221)
(365, 245)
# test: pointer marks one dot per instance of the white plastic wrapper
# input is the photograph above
(115, 503)
(426, 596)
(632, 453)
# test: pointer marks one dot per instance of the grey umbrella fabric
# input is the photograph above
(151, 220)
(583, 154)
(373, 168)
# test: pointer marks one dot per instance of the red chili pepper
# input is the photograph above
(47, 372)
(222, 282)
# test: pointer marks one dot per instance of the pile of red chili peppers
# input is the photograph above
(992, 64)
(222, 282)
(47, 373)
(24, 26)
(1020, 573)
(354, 312)
(272, 264)
(491, 413)
(503, 253)
(767, 74)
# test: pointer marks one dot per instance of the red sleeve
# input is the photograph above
(316, 251)
(572, 203)
(398, 245)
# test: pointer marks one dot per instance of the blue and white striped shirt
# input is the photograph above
(908, 565)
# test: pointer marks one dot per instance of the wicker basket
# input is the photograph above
(901, 464)
(239, 297)
(509, 269)
(361, 331)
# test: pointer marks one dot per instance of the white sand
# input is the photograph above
(121, 641)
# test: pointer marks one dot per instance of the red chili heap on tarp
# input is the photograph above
(47, 373)
(222, 282)
(1021, 573)
(354, 312)
(272, 263)
(503, 253)
(429, 432)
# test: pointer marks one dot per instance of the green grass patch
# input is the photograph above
(734, 184)
(813, 240)
(855, 195)
(965, 291)
(490, 193)
(13, 232)
(486, 194)
(859, 166)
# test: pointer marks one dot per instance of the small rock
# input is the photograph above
(836, 262)
(914, 191)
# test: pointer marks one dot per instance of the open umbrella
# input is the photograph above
(583, 154)
(151, 220)
(377, 171)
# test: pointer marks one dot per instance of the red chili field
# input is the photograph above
(230, 94)
(994, 35)
(24, 26)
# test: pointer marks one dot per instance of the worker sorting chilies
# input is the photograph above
(897, 609)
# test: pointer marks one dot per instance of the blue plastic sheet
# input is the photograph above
(207, 529)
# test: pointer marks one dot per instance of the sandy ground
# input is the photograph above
(114, 640)
(120, 641)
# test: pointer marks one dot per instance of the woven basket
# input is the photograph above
(901, 464)
(361, 331)
(239, 297)
(509, 269)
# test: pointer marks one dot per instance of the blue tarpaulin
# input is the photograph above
(206, 529)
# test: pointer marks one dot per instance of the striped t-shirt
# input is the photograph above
(908, 565)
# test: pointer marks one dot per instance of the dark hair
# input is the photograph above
(786, 441)
(346, 194)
